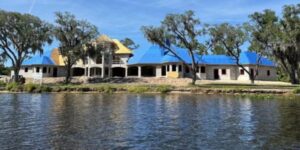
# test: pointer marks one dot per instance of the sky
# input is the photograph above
(123, 18)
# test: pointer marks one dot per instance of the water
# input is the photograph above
(124, 121)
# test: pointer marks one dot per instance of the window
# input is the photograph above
(26, 69)
(242, 72)
(44, 70)
(49, 70)
(180, 68)
(173, 67)
(168, 68)
(223, 71)
(197, 69)
(268, 73)
(99, 60)
(37, 69)
(202, 69)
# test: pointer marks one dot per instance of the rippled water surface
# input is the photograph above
(120, 121)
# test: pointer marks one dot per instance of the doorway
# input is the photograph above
(216, 74)
(54, 72)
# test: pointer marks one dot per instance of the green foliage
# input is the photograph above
(230, 38)
(106, 89)
(138, 89)
(163, 89)
(14, 87)
(30, 87)
(2, 84)
(73, 35)
(182, 30)
(129, 43)
(296, 90)
(22, 35)
(280, 36)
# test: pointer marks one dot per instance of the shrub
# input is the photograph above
(163, 88)
(296, 90)
(106, 89)
(138, 89)
(30, 87)
(14, 87)
(2, 84)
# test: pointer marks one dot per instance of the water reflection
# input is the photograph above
(96, 121)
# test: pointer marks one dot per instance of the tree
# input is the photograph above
(181, 30)
(3, 70)
(130, 43)
(103, 49)
(231, 38)
(281, 37)
(21, 36)
(73, 35)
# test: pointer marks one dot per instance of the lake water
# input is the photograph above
(129, 121)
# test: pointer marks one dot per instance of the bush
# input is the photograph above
(30, 87)
(138, 89)
(14, 87)
(106, 89)
(296, 90)
(163, 88)
(2, 84)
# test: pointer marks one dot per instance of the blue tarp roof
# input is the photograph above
(252, 58)
(38, 60)
(218, 59)
(153, 55)
(157, 55)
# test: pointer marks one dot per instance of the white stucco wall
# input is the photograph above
(230, 72)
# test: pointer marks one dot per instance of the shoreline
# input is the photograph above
(151, 89)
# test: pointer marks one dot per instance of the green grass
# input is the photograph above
(245, 86)
(296, 90)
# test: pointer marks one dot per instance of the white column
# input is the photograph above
(126, 72)
(139, 71)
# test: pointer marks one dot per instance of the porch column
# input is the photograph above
(126, 72)
(102, 71)
(139, 71)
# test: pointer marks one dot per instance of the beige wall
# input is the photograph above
(262, 73)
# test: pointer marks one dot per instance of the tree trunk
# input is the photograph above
(293, 76)
(68, 76)
(252, 79)
(16, 74)
(194, 78)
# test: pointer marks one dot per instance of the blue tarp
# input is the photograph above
(157, 55)
(38, 60)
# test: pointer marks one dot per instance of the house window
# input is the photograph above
(173, 67)
(37, 69)
(202, 69)
(223, 71)
(268, 73)
(168, 68)
(44, 70)
(49, 70)
(197, 69)
(180, 68)
(99, 60)
(242, 72)
(26, 69)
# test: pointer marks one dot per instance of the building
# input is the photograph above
(154, 62)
